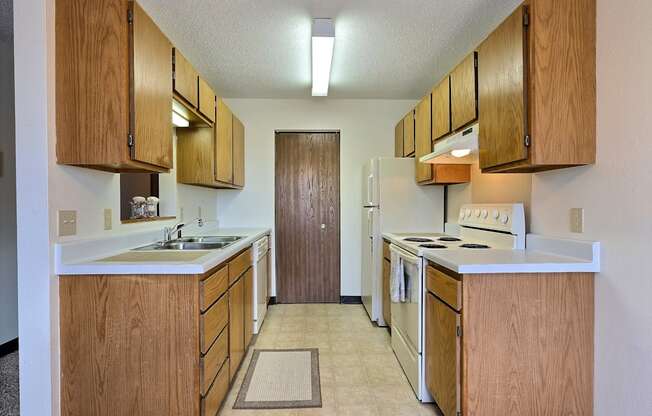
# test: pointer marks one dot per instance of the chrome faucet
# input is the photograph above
(176, 228)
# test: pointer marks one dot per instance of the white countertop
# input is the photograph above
(85, 257)
(542, 255)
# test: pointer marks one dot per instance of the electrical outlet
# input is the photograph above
(67, 223)
(577, 220)
(108, 218)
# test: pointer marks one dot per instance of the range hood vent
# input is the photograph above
(458, 149)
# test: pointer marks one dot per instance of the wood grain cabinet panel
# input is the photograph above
(443, 366)
(224, 143)
(186, 79)
(445, 287)
(239, 265)
(238, 152)
(501, 75)
(398, 140)
(211, 288)
(212, 323)
(236, 327)
(123, 76)
(423, 142)
(248, 306)
(464, 101)
(213, 400)
(408, 134)
(196, 156)
(212, 362)
(441, 109)
(206, 100)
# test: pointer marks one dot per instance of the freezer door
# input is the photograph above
(370, 193)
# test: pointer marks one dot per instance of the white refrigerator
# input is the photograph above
(392, 202)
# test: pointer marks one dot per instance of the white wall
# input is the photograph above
(616, 194)
(367, 130)
(8, 282)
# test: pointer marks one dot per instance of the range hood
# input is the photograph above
(458, 149)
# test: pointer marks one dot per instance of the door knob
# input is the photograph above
(323, 226)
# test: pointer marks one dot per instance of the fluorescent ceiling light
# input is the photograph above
(179, 121)
(323, 43)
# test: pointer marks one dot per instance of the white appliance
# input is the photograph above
(392, 202)
(460, 148)
(481, 227)
(261, 272)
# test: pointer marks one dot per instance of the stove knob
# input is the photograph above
(461, 215)
(495, 214)
(477, 212)
(467, 212)
(484, 213)
(504, 218)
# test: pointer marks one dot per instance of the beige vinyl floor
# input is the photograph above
(359, 373)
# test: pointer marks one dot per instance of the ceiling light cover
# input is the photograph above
(323, 43)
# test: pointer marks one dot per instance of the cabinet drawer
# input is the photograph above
(386, 252)
(213, 400)
(239, 265)
(212, 288)
(210, 364)
(212, 323)
(445, 287)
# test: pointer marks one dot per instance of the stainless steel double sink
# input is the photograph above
(193, 243)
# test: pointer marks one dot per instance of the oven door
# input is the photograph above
(406, 318)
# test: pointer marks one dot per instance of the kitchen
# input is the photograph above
(576, 213)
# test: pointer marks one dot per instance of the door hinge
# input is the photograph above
(526, 18)
(130, 16)
(131, 140)
(526, 140)
(459, 331)
(475, 61)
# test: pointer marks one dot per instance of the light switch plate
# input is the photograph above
(577, 220)
(67, 223)
(108, 219)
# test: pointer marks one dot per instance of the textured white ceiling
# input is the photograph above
(383, 48)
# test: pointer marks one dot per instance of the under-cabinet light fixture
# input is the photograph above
(178, 120)
(323, 43)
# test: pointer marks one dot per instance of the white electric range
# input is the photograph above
(483, 228)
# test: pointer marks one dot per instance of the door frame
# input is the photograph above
(339, 197)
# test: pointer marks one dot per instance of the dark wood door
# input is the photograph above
(307, 217)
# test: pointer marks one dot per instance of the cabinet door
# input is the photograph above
(442, 355)
(185, 79)
(398, 139)
(206, 100)
(501, 80)
(408, 134)
(463, 92)
(441, 109)
(423, 143)
(151, 123)
(224, 143)
(238, 152)
(236, 326)
(248, 307)
(387, 270)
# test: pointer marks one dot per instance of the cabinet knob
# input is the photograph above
(323, 226)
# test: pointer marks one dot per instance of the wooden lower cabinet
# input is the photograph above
(151, 344)
(236, 327)
(516, 344)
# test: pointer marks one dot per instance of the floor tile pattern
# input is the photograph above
(359, 373)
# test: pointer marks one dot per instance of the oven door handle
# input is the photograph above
(405, 255)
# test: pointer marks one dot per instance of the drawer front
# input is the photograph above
(211, 363)
(445, 287)
(239, 265)
(213, 400)
(212, 288)
(386, 252)
(213, 322)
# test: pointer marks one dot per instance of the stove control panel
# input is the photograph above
(497, 217)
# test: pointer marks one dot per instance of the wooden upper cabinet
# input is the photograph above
(501, 76)
(537, 88)
(113, 94)
(186, 80)
(441, 109)
(398, 139)
(238, 152)
(224, 143)
(423, 143)
(464, 108)
(408, 134)
(206, 100)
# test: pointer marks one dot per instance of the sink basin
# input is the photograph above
(194, 243)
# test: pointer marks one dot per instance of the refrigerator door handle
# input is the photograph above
(370, 189)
